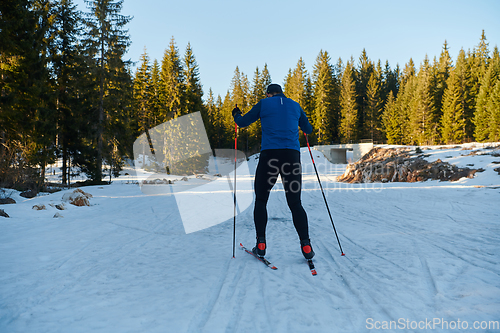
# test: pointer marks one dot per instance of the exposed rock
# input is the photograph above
(60, 206)
(3, 213)
(6, 201)
(39, 207)
(157, 181)
(29, 194)
(77, 198)
(57, 215)
(400, 165)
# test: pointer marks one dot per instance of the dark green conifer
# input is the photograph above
(486, 116)
(363, 75)
(193, 90)
(323, 81)
(442, 72)
(392, 122)
(372, 125)
(452, 120)
(172, 83)
(106, 43)
(423, 112)
(143, 93)
(349, 107)
(157, 108)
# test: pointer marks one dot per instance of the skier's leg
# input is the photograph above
(292, 182)
(265, 178)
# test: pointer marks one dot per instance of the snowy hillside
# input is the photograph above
(420, 257)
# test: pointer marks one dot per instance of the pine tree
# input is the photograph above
(157, 109)
(308, 101)
(69, 71)
(259, 84)
(106, 43)
(257, 89)
(405, 101)
(482, 56)
(172, 87)
(212, 117)
(228, 134)
(143, 95)
(452, 120)
(486, 117)
(325, 108)
(390, 82)
(494, 107)
(391, 120)
(240, 95)
(362, 78)
(193, 90)
(240, 89)
(478, 61)
(463, 72)
(408, 72)
(219, 124)
(423, 113)
(27, 117)
(42, 134)
(266, 77)
(372, 124)
(349, 120)
(443, 69)
(295, 86)
(299, 88)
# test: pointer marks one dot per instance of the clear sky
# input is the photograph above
(248, 34)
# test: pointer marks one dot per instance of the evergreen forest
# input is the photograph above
(67, 93)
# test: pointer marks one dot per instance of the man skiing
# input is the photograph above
(280, 119)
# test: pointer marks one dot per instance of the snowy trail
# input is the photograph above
(413, 251)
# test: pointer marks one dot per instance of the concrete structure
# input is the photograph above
(337, 154)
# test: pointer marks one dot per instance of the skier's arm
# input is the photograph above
(250, 117)
(304, 123)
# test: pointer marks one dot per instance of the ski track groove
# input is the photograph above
(236, 303)
(375, 255)
(465, 260)
(428, 277)
(267, 308)
(201, 318)
(221, 295)
(324, 290)
(367, 286)
(349, 288)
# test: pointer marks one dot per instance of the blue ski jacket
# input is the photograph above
(280, 119)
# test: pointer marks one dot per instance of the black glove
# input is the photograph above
(236, 111)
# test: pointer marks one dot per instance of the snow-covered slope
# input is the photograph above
(416, 254)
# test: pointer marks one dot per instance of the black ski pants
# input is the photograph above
(286, 163)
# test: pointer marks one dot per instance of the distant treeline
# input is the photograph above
(67, 92)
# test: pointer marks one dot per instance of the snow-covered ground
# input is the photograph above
(421, 257)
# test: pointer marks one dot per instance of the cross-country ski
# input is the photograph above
(261, 259)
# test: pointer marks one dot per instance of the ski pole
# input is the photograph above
(234, 188)
(324, 197)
